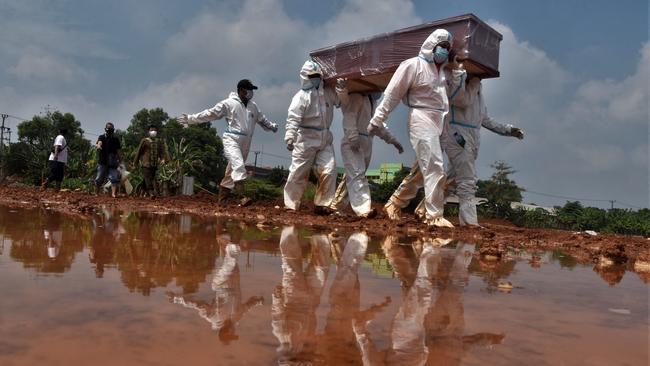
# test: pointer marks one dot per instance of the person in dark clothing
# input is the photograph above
(58, 160)
(108, 147)
(151, 152)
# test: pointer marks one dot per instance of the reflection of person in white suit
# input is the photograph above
(226, 310)
(416, 273)
(345, 299)
(293, 311)
(445, 322)
(428, 327)
(408, 332)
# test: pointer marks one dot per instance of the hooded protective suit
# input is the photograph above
(468, 113)
(308, 131)
(295, 300)
(227, 309)
(421, 84)
(356, 150)
(462, 126)
(239, 134)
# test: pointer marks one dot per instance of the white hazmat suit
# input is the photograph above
(237, 138)
(356, 150)
(463, 127)
(420, 83)
(308, 135)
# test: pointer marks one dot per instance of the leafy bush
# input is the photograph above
(572, 216)
(382, 192)
(260, 190)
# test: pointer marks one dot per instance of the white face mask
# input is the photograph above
(153, 134)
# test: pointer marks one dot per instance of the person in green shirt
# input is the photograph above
(151, 152)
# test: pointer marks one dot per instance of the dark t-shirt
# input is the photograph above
(110, 144)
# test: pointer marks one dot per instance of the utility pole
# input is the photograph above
(2, 146)
(612, 203)
(256, 153)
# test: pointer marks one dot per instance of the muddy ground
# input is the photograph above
(607, 252)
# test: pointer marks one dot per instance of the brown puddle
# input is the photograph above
(146, 289)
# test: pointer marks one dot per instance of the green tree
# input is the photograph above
(28, 157)
(382, 192)
(140, 124)
(499, 190)
(201, 142)
(569, 215)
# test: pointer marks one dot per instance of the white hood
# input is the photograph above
(438, 35)
(309, 68)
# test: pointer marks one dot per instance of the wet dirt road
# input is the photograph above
(495, 239)
(134, 288)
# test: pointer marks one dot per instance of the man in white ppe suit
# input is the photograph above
(356, 150)
(420, 82)
(309, 139)
(242, 115)
(460, 141)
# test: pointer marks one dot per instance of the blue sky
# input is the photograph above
(574, 74)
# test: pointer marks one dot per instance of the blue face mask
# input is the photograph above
(249, 94)
(440, 55)
(375, 95)
(315, 82)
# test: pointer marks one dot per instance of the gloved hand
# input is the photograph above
(398, 146)
(454, 63)
(183, 119)
(373, 129)
(290, 145)
(341, 83)
(274, 127)
(354, 143)
(517, 132)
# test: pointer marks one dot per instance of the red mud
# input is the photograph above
(497, 237)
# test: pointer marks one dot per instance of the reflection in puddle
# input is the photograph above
(149, 283)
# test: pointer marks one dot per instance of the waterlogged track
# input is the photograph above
(611, 253)
(119, 287)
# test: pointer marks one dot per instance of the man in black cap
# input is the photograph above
(241, 114)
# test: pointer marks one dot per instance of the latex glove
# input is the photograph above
(290, 145)
(398, 146)
(517, 132)
(373, 130)
(454, 63)
(341, 83)
(183, 119)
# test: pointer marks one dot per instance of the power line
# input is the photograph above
(583, 199)
(565, 197)
(18, 118)
(273, 155)
(629, 205)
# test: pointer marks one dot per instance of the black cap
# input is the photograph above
(245, 84)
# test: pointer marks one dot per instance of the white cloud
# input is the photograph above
(90, 113)
(582, 136)
(364, 18)
(39, 67)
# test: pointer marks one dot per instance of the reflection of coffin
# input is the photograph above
(372, 61)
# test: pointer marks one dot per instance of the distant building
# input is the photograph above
(385, 173)
(258, 172)
(532, 207)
